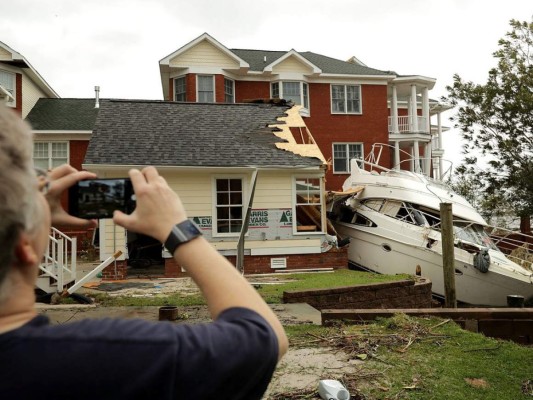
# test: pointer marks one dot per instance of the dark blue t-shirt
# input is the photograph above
(233, 358)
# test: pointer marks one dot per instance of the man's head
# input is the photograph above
(21, 206)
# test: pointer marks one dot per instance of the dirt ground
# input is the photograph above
(300, 369)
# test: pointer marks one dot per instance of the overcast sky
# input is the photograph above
(117, 44)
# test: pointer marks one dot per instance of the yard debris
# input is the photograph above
(527, 387)
(477, 383)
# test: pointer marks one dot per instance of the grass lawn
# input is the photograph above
(424, 358)
(401, 357)
(271, 293)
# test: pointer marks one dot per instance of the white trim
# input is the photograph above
(265, 251)
(29, 71)
(11, 98)
(216, 170)
(49, 150)
(184, 76)
(214, 224)
(233, 88)
(360, 112)
(295, 54)
(199, 39)
(214, 88)
(305, 111)
(348, 160)
(293, 204)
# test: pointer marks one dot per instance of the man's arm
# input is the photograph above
(158, 210)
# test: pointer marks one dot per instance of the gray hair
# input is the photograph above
(19, 210)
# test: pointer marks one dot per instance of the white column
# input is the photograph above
(394, 110)
(427, 158)
(425, 110)
(397, 160)
(413, 111)
(439, 139)
(416, 156)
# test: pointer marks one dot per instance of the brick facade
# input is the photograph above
(116, 271)
(335, 258)
(400, 294)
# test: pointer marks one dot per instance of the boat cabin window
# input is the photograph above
(374, 204)
(400, 210)
(473, 233)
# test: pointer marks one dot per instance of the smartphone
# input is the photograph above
(98, 198)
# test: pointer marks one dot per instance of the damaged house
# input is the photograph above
(224, 160)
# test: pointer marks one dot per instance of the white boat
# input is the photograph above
(392, 218)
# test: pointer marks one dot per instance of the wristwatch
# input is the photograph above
(182, 233)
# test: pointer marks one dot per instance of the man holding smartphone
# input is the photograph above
(231, 358)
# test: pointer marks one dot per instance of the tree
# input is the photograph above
(496, 122)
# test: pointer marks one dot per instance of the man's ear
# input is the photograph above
(25, 252)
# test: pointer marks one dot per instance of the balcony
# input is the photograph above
(406, 124)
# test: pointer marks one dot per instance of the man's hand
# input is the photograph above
(158, 207)
(58, 180)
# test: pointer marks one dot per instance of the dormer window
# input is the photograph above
(180, 89)
(7, 91)
(206, 89)
(229, 91)
(297, 92)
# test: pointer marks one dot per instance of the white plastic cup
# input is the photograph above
(330, 389)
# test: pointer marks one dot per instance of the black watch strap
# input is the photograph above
(181, 233)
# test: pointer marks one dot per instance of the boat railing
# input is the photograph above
(518, 247)
(373, 158)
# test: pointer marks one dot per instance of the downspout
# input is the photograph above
(245, 223)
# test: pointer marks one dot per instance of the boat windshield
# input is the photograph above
(472, 233)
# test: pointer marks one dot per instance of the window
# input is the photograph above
(229, 91)
(229, 205)
(48, 155)
(7, 80)
(343, 153)
(346, 99)
(206, 89)
(308, 204)
(297, 92)
(180, 89)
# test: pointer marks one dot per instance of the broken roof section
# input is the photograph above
(137, 133)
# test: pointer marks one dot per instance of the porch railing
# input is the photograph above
(59, 261)
(406, 124)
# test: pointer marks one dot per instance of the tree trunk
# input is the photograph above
(525, 224)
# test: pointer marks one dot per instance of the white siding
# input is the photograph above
(203, 54)
(291, 64)
(273, 190)
(112, 239)
(30, 94)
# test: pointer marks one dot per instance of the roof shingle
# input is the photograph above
(136, 132)
(63, 115)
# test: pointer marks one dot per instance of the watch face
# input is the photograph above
(190, 229)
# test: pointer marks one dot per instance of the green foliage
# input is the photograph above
(496, 120)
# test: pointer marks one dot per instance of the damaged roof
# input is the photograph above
(63, 115)
(138, 132)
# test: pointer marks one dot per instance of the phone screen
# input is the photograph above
(98, 198)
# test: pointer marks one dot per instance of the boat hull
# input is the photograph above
(378, 251)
